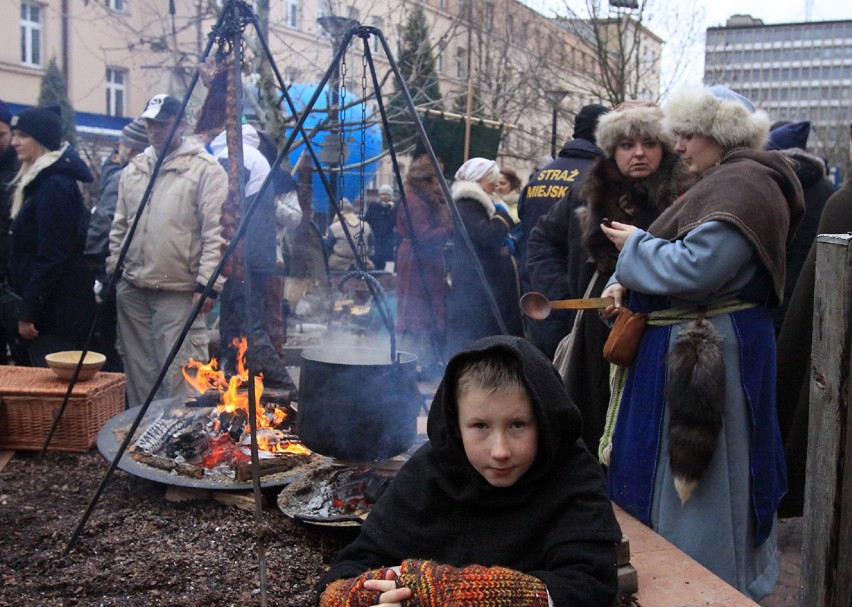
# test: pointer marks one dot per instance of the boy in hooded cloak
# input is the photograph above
(504, 505)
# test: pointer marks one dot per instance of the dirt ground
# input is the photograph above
(140, 549)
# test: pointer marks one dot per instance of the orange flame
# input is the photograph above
(210, 377)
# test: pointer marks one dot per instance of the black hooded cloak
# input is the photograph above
(556, 523)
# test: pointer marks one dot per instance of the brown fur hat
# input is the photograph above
(629, 119)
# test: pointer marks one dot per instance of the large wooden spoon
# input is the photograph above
(537, 306)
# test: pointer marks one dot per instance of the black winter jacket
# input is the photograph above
(47, 268)
(817, 189)
(8, 169)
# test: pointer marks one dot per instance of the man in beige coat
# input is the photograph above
(172, 255)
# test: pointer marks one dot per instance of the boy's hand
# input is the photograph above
(390, 594)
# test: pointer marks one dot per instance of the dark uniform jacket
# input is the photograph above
(551, 184)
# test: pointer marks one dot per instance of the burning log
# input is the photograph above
(169, 465)
(190, 442)
(270, 466)
(210, 398)
(159, 433)
(279, 398)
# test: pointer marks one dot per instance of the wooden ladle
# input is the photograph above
(538, 307)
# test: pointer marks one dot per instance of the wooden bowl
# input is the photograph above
(64, 363)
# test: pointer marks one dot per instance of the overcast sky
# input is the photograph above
(775, 11)
(716, 12)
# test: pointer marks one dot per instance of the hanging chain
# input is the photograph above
(362, 246)
(341, 120)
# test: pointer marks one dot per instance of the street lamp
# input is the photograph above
(335, 27)
(554, 97)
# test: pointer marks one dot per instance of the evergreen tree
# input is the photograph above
(417, 65)
(54, 91)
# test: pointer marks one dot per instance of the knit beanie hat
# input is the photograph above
(586, 121)
(629, 119)
(385, 189)
(789, 136)
(719, 113)
(134, 135)
(44, 124)
(5, 113)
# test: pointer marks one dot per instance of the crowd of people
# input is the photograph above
(698, 219)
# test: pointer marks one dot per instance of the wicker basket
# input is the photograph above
(30, 398)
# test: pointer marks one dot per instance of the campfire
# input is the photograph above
(337, 494)
(210, 435)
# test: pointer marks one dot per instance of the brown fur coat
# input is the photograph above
(608, 193)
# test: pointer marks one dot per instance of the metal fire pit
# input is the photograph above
(112, 433)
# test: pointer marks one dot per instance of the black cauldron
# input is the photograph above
(356, 404)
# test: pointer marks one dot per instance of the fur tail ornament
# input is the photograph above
(695, 393)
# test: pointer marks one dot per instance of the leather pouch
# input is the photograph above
(623, 341)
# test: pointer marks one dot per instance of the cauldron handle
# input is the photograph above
(378, 294)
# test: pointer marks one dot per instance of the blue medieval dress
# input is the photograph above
(720, 249)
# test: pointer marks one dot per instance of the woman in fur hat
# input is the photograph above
(695, 450)
(49, 222)
(470, 312)
(637, 178)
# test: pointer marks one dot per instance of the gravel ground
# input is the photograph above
(140, 549)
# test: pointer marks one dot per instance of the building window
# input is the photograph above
(118, 6)
(116, 82)
(439, 63)
(293, 14)
(461, 63)
(376, 45)
(31, 15)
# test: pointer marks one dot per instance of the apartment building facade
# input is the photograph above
(793, 71)
(116, 53)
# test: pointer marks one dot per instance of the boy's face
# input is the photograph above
(499, 432)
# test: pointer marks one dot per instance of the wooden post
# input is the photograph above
(467, 118)
(827, 540)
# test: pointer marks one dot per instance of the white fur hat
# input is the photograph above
(719, 113)
(629, 119)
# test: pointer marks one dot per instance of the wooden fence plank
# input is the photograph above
(827, 503)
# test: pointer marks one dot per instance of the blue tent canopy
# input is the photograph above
(352, 134)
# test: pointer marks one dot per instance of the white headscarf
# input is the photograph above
(475, 169)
